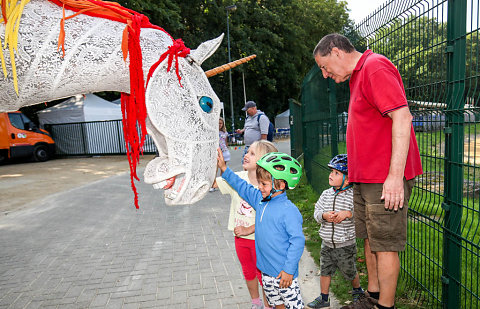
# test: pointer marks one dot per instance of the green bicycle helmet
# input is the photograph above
(282, 166)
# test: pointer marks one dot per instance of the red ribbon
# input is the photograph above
(4, 11)
(133, 105)
(177, 49)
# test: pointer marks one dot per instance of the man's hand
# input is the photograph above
(393, 193)
(285, 279)
(221, 161)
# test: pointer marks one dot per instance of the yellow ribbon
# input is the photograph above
(14, 10)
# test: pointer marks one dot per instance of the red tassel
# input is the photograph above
(175, 50)
(133, 105)
(134, 111)
(4, 11)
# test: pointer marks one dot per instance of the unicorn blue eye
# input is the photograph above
(206, 103)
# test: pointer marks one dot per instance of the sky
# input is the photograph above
(359, 9)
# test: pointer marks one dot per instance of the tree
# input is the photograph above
(282, 33)
(418, 54)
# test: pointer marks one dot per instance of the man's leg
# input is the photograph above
(389, 264)
(371, 262)
(387, 235)
(360, 216)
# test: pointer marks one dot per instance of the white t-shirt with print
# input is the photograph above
(241, 213)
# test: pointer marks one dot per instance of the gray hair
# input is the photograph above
(328, 42)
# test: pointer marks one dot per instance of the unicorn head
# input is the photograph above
(183, 122)
(182, 108)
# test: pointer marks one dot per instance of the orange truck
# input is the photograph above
(20, 137)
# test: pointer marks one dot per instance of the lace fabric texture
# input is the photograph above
(186, 136)
(93, 61)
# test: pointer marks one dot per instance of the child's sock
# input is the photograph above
(256, 301)
(383, 307)
(324, 296)
(375, 295)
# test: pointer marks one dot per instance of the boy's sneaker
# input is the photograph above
(365, 302)
(357, 296)
(319, 303)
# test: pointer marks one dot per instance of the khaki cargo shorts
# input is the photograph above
(386, 230)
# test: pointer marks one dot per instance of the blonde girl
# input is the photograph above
(242, 220)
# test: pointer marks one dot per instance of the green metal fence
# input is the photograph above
(435, 46)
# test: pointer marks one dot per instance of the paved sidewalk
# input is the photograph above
(90, 248)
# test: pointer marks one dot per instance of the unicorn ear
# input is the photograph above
(205, 50)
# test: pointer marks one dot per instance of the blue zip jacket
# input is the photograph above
(279, 239)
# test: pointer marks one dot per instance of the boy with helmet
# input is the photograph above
(334, 211)
(279, 238)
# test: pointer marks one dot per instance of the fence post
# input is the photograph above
(83, 129)
(453, 178)
(296, 128)
(332, 100)
(119, 126)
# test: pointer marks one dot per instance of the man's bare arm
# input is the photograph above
(393, 192)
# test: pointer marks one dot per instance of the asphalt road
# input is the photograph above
(88, 247)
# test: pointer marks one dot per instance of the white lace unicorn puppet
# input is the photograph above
(64, 52)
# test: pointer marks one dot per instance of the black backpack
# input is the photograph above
(271, 129)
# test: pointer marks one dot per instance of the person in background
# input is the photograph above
(223, 145)
(242, 220)
(383, 158)
(256, 125)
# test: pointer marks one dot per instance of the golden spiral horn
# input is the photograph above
(228, 66)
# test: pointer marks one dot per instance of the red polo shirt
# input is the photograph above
(376, 88)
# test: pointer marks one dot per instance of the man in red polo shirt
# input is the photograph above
(383, 158)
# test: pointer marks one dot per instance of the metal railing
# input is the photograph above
(435, 46)
(92, 138)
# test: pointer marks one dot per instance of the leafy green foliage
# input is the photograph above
(420, 56)
(281, 33)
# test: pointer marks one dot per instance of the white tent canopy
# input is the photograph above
(282, 120)
(76, 114)
(80, 108)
